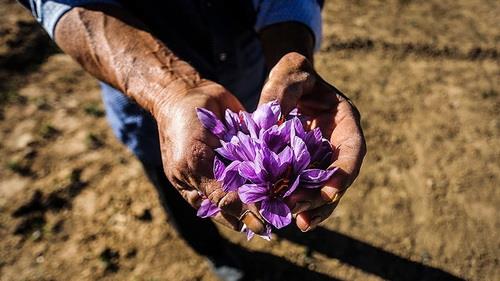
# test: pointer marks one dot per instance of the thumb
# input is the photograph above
(291, 78)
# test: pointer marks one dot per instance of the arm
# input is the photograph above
(115, 47)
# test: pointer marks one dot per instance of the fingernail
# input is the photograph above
(314, 222)
(252, 222)
(330, 194)
(301, 206)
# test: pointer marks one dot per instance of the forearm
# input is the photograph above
(116, 48)
(283, 38)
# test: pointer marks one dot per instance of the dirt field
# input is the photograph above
(75, 205)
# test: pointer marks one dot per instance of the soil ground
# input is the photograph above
(75, 204)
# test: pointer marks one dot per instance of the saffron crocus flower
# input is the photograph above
(273, 177)
(265, 157)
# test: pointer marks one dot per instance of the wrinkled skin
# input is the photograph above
(116, 48)
(294, 83)
(187, 150)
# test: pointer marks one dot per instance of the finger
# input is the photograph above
(291, 78)
(198, 174)
(228, 221)
(230, 204)
(308, 199)
(229, 211)
(304, 199)
(309, 220)
(348, 140)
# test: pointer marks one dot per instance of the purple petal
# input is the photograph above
(246, 148)
(267, 115)
(207, 209)
(270, 162)
(211, 122)
(300, 154)
(277, 136)
(276, 213)
(313, 139)
(232, 122)
(286, 156)
(241, 148)
(314, 178)
(227, 151)
(251, 193)
(249, 124)
(250, 233)
(219, 168)
(252, 171)
(297, 129)
(321, 155)
(231, 178)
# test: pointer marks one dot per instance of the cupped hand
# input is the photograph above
(188, 151)
(294, 83)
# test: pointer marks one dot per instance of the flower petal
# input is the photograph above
(276, 137)
(211, 122)
(232, 123)
(248, 231)
(276, 213)
(297, 129)
(267, 233)
(249, 124)
(267, 115)
(252, 171)
(246, 147)
(314, 178)
(300, 154)
(251, 193)
(270, 162)
(219, 168)
(285, 156)
(207, 209)
(231, 179)
(227, 151)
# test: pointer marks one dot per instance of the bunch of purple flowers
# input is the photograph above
(265, 157)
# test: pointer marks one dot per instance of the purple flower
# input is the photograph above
(207, 209)
(265, 157)
(273, 177)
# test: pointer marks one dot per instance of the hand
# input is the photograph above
(294, 83)
(163, 84)
(187, 150)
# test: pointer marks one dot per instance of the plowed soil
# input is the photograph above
(75, 204)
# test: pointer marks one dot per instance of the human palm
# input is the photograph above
(294, 83)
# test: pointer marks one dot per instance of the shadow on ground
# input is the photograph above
(368, 258)
(348, 250)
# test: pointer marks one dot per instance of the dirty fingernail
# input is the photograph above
(301, 206)
(314, 222)
(328, 193)
(252, 222)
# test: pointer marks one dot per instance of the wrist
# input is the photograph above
(162, 84)
(179, 93)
